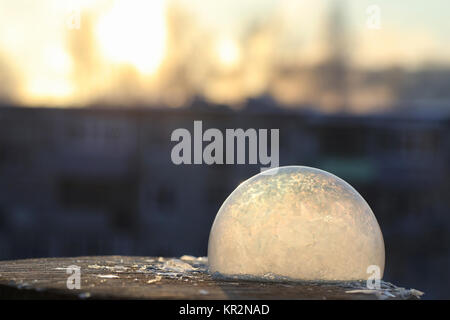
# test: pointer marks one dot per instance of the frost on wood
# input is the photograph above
(295, 222)
(120, 277)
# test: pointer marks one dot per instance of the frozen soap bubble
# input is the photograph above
(296, 222)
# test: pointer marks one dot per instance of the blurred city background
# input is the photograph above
(90, 92)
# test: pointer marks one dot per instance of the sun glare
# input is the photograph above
(228, 52)
(134, 32)
(49, 82)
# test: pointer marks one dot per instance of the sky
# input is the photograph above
(38, 66)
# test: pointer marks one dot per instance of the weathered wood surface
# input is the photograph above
(121, 277)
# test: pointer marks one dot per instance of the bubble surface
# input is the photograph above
(296, 222)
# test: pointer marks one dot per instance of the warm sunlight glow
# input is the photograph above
(228, 52)
(158, 53)
(47, 90)
(52, 83)
(134, 32)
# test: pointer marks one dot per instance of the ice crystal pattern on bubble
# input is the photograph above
(301, 223)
